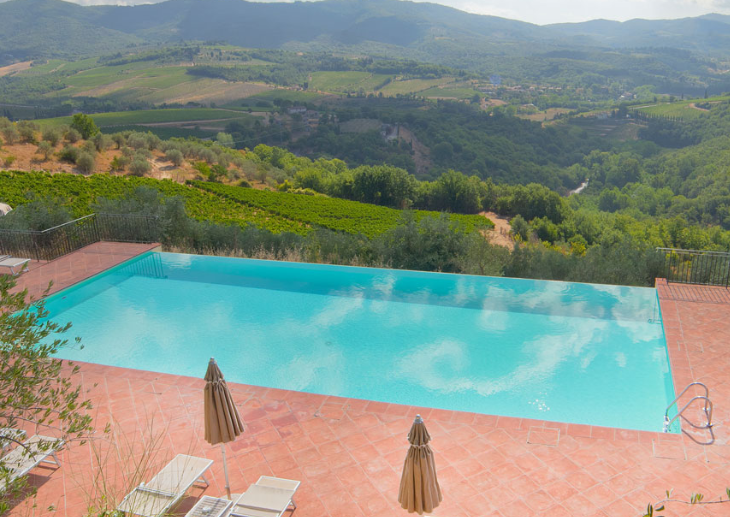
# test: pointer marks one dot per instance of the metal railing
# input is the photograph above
(60, 240)
(696, 267)
(706, 408)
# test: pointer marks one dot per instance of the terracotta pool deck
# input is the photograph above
(77, 266)
(348, 453)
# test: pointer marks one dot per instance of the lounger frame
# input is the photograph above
(29, 461)
(13, 262)
(129, 506)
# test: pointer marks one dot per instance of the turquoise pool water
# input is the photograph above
(580, 353)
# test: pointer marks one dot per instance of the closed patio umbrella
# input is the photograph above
(419, 488)
(222, 421)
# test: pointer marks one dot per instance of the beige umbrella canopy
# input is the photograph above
(419, 488)
(222, 421)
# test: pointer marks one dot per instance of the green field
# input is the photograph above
(448, 93)
(144, 81)
(139, 75)
(339, 82)
(58, 65)
(131, 118)
(283, 94)
(274, 211)
(331, 213)
(681, 109)
(79, 193)
(413, 85)
(166, 132)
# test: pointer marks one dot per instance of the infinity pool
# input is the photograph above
(567, 352)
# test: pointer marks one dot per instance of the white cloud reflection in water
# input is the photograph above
(436, 366)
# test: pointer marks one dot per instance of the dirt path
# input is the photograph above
(15, 67)
(695, 106)
(500, 235)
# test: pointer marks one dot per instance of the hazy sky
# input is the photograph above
(554, 11)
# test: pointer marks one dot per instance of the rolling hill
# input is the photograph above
(38, 28)
(673, 56)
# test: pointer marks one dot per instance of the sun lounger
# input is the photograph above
(12, 263)
(268, 497)
(167, 488)
(9, 436)
(34, 451)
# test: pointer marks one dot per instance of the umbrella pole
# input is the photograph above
(225, 470)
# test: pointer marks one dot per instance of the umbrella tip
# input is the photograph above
(419, 420)
(212, 360)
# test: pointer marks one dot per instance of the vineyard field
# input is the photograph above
(332, 213)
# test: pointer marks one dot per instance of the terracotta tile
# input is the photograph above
(516, 509)
(561, 490)
(582, 481)
(542, 436)
(601, 495)
(487, 465)
(669, 451)
(579, 505)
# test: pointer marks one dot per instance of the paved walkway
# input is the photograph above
(77, 266)
(348, 453)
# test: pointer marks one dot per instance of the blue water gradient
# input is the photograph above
(559, 351)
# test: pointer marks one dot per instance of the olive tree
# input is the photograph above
(38, 391)
(86, 163)
(45, 149)
(10, 134)
(140, 166)
(175, 156)
(51, 135)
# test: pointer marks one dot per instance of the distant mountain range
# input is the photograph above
(51, 28)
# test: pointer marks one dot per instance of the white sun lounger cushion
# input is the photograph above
(268, 497)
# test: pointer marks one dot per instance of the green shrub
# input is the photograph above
(27, 131)
(85, 125)
(10, 134)
(175, 157)
(69, 154)
(217, 172)
(140, 166)
(119, 163)
(153, 141)
(120, 139)
(102, 142)
(72, 136)
(9, 161)
(85, 162)
(51, 135)
(203, 169)
(89, 147)
(137, 141)
(45, 149)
